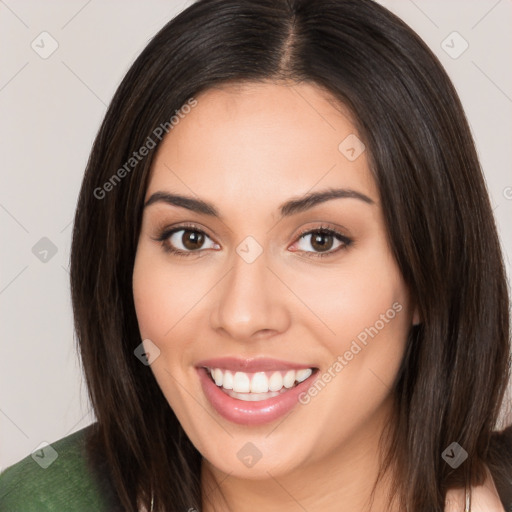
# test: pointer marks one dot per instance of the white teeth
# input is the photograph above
(227, 383)
(289, 379)
(302, 375)
(251, 397)
(275, 382)
(217, 376)
(241, 383)
(258, 383)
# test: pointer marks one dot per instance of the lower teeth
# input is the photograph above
(252, 397)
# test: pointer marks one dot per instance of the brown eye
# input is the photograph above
(322, 241)
(185, 241)
(192, 240)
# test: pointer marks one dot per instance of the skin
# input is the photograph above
(484, 498)
(247, 149)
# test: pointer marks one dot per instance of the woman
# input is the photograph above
(286, 277)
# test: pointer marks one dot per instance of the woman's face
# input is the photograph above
(262, 289)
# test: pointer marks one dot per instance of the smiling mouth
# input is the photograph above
(258, 386)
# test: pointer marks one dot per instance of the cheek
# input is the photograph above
(159, 305)
(355, 296)
(162, 295)
(365, 315)
(149, 298)
(154, 300)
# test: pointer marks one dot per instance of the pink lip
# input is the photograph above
(251, 365)
(251, 413)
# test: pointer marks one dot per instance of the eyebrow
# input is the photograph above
(288, 208)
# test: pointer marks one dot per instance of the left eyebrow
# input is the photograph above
(288, 208)
(306, 202)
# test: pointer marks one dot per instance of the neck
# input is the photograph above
(342, 480)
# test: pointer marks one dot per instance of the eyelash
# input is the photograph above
(324, 230)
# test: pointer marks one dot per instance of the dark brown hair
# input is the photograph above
(439, 221)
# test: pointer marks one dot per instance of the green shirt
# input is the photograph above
(55, 478)
(58, 478)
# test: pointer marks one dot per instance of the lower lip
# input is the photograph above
(251, 413)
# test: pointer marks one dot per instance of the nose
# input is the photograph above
(250, 302)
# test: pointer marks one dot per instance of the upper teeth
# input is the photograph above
(259, 382)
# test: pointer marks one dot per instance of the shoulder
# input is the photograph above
(57, 477)
(484, 498)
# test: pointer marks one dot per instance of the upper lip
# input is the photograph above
(261, 364)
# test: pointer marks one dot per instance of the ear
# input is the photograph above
(416, 318)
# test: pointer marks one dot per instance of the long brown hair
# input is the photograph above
(439, 221)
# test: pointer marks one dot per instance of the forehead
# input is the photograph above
(262, 142)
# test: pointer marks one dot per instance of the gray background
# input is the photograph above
(50, 111)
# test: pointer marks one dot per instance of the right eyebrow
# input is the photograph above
(288, 208)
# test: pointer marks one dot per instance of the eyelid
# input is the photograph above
(337, 233)
(323, 227)
(166, 233)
